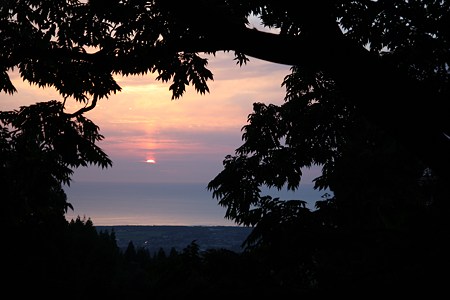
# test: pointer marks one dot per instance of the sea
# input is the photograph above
(174, 204)
(163, 215)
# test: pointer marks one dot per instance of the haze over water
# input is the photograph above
(190, 204)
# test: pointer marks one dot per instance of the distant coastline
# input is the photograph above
(156, 237)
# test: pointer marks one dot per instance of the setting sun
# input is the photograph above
(150, 161)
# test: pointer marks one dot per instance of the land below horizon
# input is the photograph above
(155, 237)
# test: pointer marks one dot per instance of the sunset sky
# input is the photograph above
(186, 138)
(158, 142)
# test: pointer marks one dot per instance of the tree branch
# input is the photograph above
(84, 109)
(411, 111)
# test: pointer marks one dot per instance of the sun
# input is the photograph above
(150, 161)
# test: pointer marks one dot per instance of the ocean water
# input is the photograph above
(187, 204)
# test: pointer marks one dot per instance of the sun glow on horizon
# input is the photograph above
(150, 161)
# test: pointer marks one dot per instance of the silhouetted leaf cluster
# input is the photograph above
(366, 101)
(40, 147)
(78, 46)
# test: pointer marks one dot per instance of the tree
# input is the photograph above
(366, 100)
(40, 145)
(365, 45)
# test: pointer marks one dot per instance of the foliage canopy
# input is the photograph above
(39, 147)
(367, 100)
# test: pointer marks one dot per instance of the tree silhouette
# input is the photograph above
(362, 46)
(130, 252)
(40, 146)
(366, 101)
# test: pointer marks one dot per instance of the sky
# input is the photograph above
(165, 151)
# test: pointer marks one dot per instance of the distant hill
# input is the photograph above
(154, 238)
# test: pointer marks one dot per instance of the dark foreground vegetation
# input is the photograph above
(75, 261)
(366, 100)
